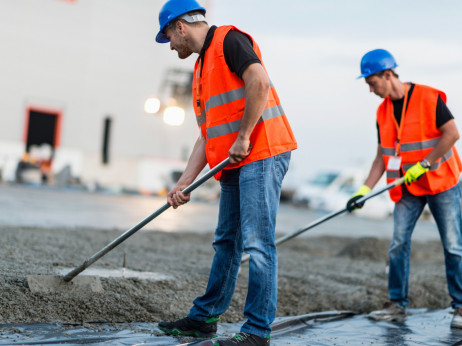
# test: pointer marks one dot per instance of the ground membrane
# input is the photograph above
(422, 327)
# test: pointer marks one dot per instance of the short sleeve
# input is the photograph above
(238, 51)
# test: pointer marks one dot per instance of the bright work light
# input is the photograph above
(174, 116)
(152, 105)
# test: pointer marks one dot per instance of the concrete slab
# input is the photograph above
(55, 283)
(122, 273)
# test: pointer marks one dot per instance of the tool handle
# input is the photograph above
(73, 273)
(206, 176)
(376, 192)
(315, 223)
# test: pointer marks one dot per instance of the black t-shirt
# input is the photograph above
(237, 48)
(443, 114)
(239, 53)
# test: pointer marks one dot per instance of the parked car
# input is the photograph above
(313, 193)
(330, 190)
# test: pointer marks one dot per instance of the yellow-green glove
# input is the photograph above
(351, 204)
(414, 173)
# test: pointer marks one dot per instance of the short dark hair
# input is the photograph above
(381, 73)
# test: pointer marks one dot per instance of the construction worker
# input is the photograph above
(416, 135)
(240, 116)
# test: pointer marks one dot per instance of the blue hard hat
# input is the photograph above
(376, 60)
(173, 9)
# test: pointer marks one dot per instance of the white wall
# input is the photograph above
(90, 59)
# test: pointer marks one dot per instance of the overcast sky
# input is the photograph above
(312, 50)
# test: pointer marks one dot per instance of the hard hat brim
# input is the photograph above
(161, 38)
(364, 75)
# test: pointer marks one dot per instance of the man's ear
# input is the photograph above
(180, 27)
(388, 74)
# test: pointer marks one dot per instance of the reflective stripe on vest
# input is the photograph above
(430, 144)
(227, 128)
(419, 145)
(434, 166)
(227, 97)
(388, 151)
(201, 119)
(392, 174)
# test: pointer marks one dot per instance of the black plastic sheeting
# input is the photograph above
(422, 327)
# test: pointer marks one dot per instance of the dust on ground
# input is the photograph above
(315, 274)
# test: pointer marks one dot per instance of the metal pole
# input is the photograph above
(72, 274)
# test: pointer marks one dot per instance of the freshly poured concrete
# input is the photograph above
(55, 283)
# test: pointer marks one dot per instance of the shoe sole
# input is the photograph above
(200, 343)
(195, 334)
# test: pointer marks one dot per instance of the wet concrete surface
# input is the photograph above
(422, 327)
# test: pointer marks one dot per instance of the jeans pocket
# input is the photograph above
(282, 164)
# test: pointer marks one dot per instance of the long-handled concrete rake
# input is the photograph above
(53, 283)
(315, 223)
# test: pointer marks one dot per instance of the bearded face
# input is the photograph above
(179, 43)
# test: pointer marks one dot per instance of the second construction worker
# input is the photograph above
(416, 136)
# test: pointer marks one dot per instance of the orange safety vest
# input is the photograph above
(219, 103)
(419, 135)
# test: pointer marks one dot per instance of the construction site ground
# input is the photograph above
(339, 266)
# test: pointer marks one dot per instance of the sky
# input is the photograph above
(312, 51)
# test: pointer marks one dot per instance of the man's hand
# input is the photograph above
(176, 198)
(239, 150)
(351, 204)
(414, 173)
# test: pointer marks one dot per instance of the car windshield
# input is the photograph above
(324, 179)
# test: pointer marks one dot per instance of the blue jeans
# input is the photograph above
(249, 203)
(445, 207)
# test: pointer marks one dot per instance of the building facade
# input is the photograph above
(75, 75)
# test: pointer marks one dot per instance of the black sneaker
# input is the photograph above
(243, 339)
(189, 327)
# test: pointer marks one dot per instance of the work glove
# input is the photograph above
(414, 173)
(351, 204)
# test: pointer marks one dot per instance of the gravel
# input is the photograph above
(315, 274)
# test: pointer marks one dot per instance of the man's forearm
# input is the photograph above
(376, 171)
(196, 163)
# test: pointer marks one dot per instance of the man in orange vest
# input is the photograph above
(240, 116)
(416, 134)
